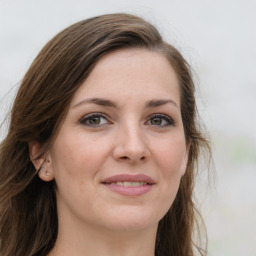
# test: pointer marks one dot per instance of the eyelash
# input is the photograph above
(164, 117)
(87, 118)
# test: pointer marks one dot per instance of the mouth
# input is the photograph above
(129, 185)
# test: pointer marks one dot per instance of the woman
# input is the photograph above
(102, 147)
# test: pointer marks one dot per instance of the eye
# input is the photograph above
(160, 120)
(94, 119)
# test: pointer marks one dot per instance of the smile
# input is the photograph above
(129, 185)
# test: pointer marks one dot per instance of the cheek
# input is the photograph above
(171, 155)
(171, 162)
(77, 156)
(73, 166)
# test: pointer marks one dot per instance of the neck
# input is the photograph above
(90, 241)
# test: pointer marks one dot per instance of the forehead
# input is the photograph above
(131, 73)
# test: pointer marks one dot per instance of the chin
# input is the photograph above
(134, 219)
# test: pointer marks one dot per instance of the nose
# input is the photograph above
(131, 145)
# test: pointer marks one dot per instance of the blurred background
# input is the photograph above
(218, 38)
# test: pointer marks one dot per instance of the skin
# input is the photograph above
(127, 138)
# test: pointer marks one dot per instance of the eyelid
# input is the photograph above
(94, 114)
(167, 118)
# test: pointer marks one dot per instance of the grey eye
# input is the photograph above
(157, 121)
(94, 120)
(160, 120)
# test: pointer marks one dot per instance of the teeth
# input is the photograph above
(129, 184)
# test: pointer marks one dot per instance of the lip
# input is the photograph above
(111, 183)
(129, 178)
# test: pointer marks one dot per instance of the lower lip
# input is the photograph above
(129, 191)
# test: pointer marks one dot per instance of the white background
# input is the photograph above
(219, 40)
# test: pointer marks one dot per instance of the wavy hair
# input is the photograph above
(28, 214)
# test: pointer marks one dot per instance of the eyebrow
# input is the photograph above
(112, 104)
(158, 103)
(97, 101)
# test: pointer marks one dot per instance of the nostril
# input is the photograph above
(126, 157)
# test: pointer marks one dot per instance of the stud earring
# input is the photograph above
(47, 173)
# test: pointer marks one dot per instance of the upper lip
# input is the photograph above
(129, 178)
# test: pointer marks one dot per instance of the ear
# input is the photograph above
(42, 162)
(185, 160)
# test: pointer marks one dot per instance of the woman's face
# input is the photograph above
(121, 151)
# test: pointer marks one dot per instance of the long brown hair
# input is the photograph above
(28, 215)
